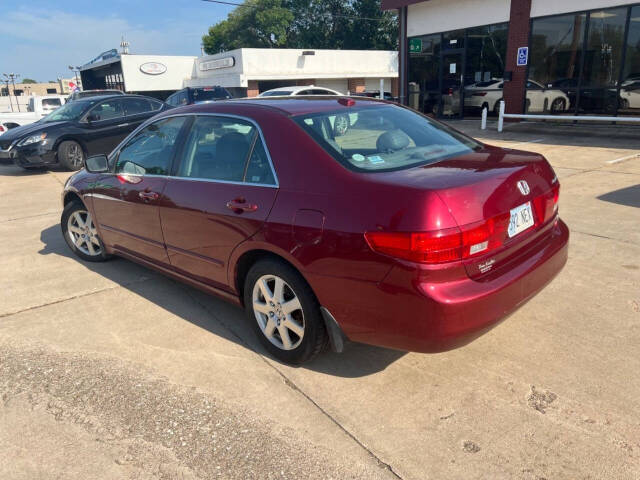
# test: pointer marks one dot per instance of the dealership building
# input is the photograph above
(572, 57)
(245, 71)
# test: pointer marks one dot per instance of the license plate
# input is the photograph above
(521, 219)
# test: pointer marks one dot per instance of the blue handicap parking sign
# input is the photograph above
(523, 56)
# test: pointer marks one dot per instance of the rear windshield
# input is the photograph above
(51, 102)
(384, 138)
(209, 93)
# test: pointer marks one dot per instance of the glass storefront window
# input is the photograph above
(602, 62)
(555, 56)
(486, 52)
(630, 85)
(424, 73)
(454, 39)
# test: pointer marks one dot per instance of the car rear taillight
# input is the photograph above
(441, 246)
(2, 128)
(479, 94)
(454, 244)
(546, 205)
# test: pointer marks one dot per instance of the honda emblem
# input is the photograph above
(523, 187)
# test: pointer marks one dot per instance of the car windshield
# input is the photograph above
(275, 93)
(209, 93)
(384, 138)
(69, 111)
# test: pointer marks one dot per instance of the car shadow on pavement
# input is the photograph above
(9, 169)
(629, 196)
(222, 318)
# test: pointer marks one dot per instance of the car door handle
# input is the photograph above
(240, 205)
(149, 196)
(123, 125)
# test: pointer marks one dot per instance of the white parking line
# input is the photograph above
(622, 159)
(537, 140)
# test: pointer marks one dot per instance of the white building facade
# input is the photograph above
(246, 71)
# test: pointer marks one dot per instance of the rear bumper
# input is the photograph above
(407, 312)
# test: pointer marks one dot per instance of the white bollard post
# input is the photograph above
(483, 123)
(501, 116)
(382, 88)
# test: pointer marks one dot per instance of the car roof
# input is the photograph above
(290, 105)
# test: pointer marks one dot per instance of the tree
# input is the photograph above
(28, 80)
(331, 24)
(256, 24)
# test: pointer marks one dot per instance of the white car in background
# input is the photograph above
(539, 98)
(299, 90)
(630, 94)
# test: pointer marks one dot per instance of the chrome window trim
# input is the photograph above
(122, 144)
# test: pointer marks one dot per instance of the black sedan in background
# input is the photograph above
(76, 130)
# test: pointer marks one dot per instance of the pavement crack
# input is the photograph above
(74, 297)
(291, 384)
(605, 237)
(29, 216)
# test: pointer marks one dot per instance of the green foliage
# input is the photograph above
(28, 80)
(330, 24)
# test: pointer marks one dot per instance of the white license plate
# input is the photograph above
(521, 219)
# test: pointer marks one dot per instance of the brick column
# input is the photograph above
(252, 89)
(519, 26)
(395, 87)
(305, 81)
(356, 85)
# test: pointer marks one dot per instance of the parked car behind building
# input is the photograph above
(298, 90)
(192, 95)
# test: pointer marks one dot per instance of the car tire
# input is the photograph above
(496, 108)
(624, 104)
(81, 236)
(558, 105)
(295, 333)
(70, 155)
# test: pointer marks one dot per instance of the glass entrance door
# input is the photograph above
(452, 102)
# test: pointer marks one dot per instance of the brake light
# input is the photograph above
(546, 205)
(455, 244)
(1, 128)
(441, 246)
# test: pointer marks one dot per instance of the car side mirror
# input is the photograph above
(97, 164)
(92, 118)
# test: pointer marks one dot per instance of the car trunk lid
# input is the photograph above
(482, 190)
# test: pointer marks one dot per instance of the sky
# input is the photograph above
(39, 39)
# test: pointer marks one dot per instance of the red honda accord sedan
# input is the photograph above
(328, 219)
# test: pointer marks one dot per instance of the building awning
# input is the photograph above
(393, 4)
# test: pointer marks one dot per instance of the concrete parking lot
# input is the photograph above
(111, 371)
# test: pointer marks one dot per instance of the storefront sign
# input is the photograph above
(225, 62)
(523, 56)
(153, 68)
(415, 45)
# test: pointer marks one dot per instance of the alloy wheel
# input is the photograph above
(278, 311)
(83, 233)
(75, 155)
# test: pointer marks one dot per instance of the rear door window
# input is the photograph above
(136, 106)
(217, 148)
(107, 110)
